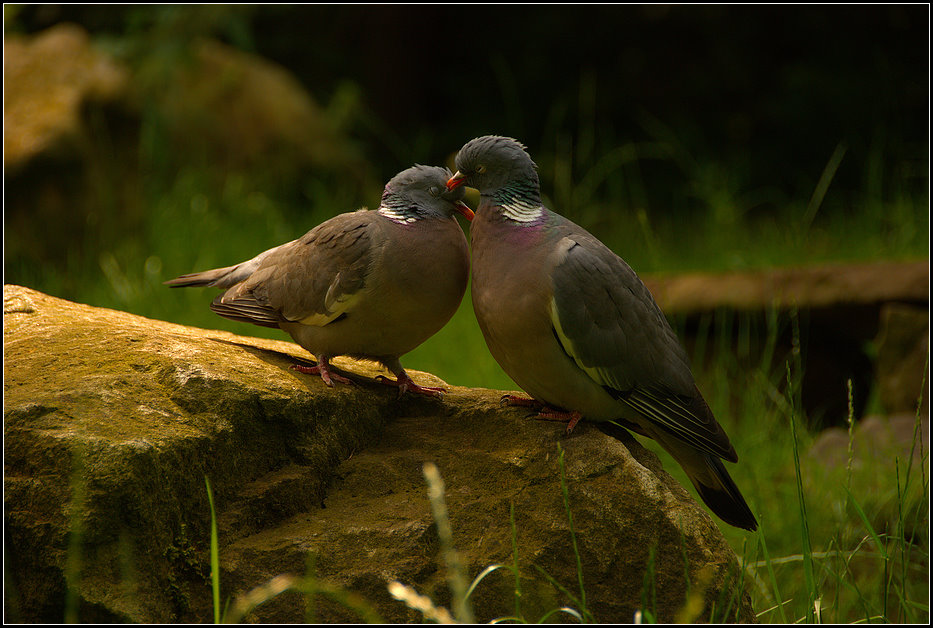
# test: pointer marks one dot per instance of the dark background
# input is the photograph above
(769, 91)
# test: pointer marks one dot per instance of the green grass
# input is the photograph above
(854, 541)
(215, 554)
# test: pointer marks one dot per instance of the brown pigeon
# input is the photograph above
(368, 284)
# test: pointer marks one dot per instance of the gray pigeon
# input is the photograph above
(368, 284)
(574, 326)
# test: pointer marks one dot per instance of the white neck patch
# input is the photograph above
(397, 215)
(521, 211)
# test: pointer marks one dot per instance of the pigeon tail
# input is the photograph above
(723, 497)
(708, 475)
(225, 277)
(215, 277)
(711, 480)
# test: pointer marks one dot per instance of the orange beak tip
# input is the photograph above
(465, 210)
(455, 181)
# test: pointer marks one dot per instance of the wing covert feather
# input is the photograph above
(314, 279)
(608, 322)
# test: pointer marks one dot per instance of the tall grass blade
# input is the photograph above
(686, 559)
(882, 549)
(482, 575)
(310, 579)
(554, 583)
(348, 599)
(807, 552)
(563, 609)
(850, 418)
(735, 594)
(778, 599)
(839, 575)
(922, 505)
(649, 601)
(215, 553)
(822, 185)
(456, 575)
(917, 440)
(573, 535)
(420, 603)
(309, 586)
(900, 539)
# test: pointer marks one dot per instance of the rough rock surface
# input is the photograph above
(112, 422)
(887, 457)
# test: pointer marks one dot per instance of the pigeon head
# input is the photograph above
(420, 192)
(492, 163)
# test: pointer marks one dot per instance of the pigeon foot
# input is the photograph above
(322, 368)
(406, 384)
(545, 412)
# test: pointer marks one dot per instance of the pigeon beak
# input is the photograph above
(456, 181)
(464, 210)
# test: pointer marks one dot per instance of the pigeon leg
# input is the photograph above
(571, 418)
(405, 383)
(524, 402)
(322, 368)
(545, 412)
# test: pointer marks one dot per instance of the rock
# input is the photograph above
(65, 130)
(112, 421)
(838, 308)
(806, 288)
(875, 469)
(902, 365)
(242, 112)
(243, 109)
(91, 144)
(47, 81)
(875, 440)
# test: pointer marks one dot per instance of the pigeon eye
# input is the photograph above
(480, 169)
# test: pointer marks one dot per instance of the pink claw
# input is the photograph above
(406, 384)
(322, 368)
(544, 412)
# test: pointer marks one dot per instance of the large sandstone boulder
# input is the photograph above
(112, 422)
